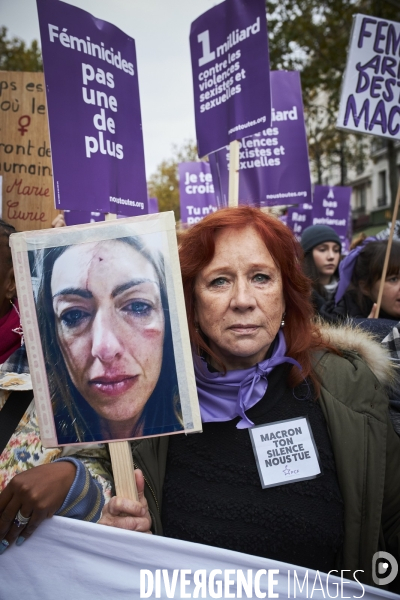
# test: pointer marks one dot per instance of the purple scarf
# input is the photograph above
(346, 268)
(224, 397)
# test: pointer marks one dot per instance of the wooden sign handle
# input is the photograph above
(233, 195)
(121, 455)
(388, 249)
(123, 470)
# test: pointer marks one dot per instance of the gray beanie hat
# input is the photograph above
(318, 234)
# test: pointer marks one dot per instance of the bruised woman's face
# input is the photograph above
(110, 326)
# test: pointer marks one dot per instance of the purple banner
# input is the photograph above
(274, 167)
(230, 65)
(77, 217)
(298, 218)
(153, 206)
(94, 112)
(331, 206)
(196, 191)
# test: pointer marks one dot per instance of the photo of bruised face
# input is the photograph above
(109, 327)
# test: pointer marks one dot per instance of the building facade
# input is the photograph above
(371, 199)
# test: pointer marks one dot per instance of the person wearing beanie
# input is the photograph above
(322, 248)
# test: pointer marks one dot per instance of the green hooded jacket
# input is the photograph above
(367, 455)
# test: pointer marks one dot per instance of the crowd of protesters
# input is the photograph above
(260, 310)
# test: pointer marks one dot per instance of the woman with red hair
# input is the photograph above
(260, 360)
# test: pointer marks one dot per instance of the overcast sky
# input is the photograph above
(161, 32)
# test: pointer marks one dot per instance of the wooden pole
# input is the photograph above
(388, 249)
(121, 455)
(123, 470)
(233, 197)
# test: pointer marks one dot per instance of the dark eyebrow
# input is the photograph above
(74, 292)
(129, 284)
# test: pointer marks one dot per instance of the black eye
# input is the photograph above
(73, 317)
(138, 308)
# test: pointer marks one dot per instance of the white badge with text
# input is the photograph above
(285, 452)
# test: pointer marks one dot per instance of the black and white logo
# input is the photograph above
(384, 568)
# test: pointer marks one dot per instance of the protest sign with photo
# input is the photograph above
(273, 164)
(230, 66)
(370, 91)
(196, 190)
(331, 206)
(299, 218)
(94, 112)
(25, 157)
(106, 330)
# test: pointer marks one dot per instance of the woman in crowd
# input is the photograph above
(106, 335)
(260, 359)
(36, 482)
(360, 279)
(322, 248)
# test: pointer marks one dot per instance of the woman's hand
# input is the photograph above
(128, 514)
(37, 493)
(373, 311)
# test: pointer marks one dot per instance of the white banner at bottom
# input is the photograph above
(67, 559)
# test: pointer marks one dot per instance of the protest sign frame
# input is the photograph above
(367, 82)
(331, 205)
(229, 50)
(299, 218)
(219, 39)
(94, 114)
(196, 191)
(273, 163)
(174, 340)
(374, 43)
(27, 184)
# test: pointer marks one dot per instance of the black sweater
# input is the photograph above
(213, 495)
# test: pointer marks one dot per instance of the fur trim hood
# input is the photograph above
(350, 338)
